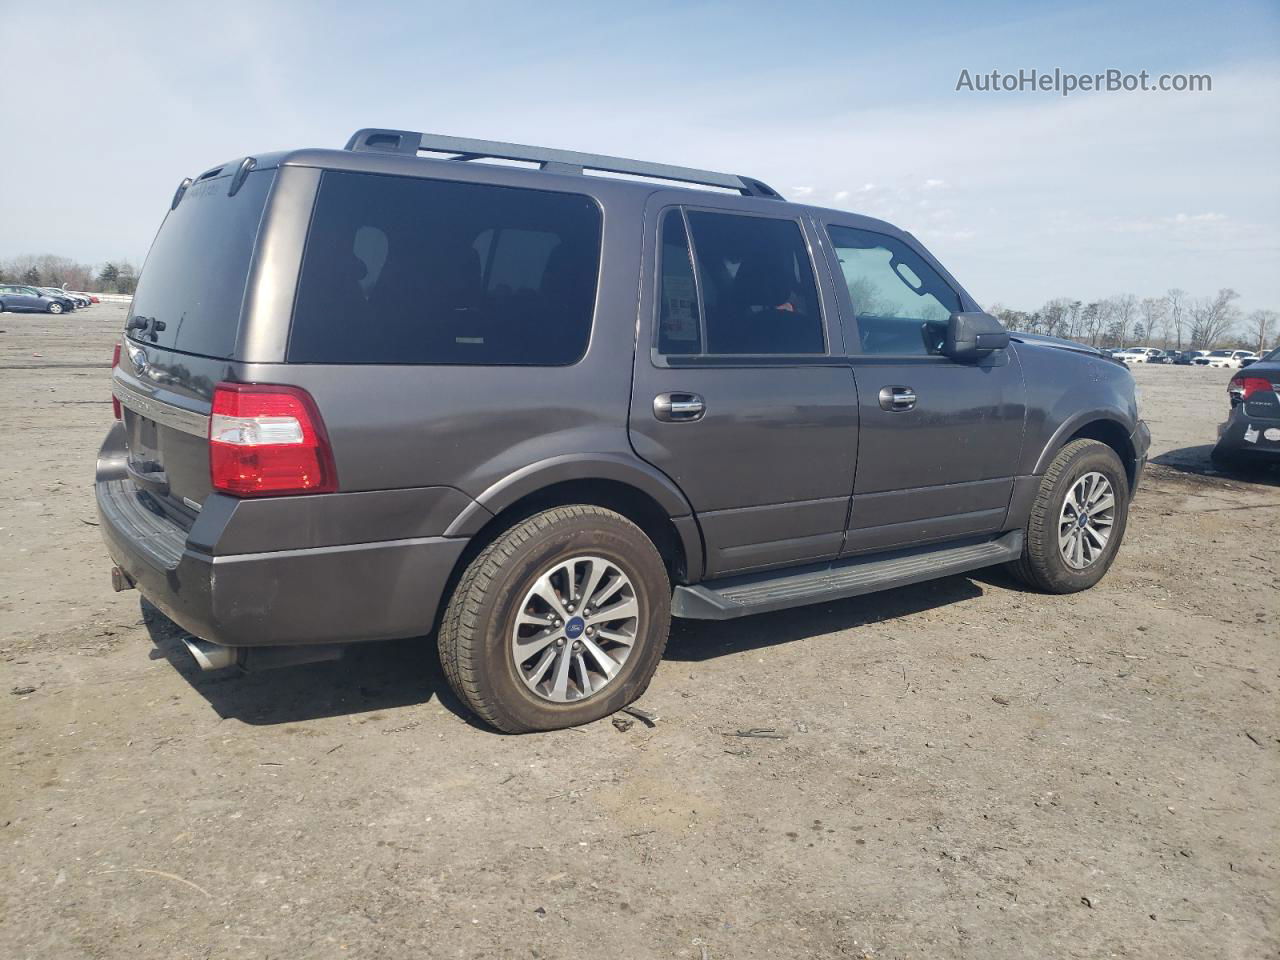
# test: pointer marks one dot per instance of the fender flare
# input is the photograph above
(1059, 438)
(588, 466)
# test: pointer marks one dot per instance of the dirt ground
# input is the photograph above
(961, 769)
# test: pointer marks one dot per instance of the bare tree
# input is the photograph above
(1073, 324)
(1053, 315)
(1260, 325)
(1153, 316)
(1124, 311)
(1212, 318)
(1176, 311)
(1095, 320)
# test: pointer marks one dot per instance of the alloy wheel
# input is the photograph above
(1087, 518)
(575, 629)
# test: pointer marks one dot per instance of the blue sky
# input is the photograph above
(1024, 196)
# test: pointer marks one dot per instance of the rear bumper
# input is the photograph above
(1241, 434)
(307, 594)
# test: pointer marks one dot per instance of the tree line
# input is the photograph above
(50, 270)
(1174, 321)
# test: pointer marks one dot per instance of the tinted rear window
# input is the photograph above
(409, 271)
(194, 278)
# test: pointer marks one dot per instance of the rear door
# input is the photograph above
(181, 334)
(939, 440)
(740, 392)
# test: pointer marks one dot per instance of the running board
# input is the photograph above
(834, 580)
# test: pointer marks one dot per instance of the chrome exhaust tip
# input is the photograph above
(211, 656)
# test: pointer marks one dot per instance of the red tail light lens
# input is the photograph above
(1242, 387)
(115, 402)
(267, 441)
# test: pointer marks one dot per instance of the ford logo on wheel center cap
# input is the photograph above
(573, 629)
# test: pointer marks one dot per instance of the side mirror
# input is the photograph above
(971, 336)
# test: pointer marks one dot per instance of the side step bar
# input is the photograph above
(836, 579)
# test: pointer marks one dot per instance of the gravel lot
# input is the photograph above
(963, 769)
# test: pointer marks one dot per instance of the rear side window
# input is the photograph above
(753, 291)
(192, 284)
(900, 302)
(400, 270)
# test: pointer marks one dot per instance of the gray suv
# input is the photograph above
(396, 390)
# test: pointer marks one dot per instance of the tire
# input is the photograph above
(479, 629)
(54, 307)
(1043, 563)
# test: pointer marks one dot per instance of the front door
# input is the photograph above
(741, 393)
(939, 439)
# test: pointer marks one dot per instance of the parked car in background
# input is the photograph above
(1136, 354)
(1213, 358)
(1225, 358)
(1251, 432)
(79, 299)
(1248, 361)
(1160, 356)
(21, 298)
(1184, 358)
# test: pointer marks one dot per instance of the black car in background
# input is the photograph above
(1251, 433)
(77, 299)
(26, 299)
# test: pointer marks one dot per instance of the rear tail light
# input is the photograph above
(266, 441)
(1242, 388)
(115, 401)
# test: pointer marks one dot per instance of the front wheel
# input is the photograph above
(54, 307)
(1077, 521)
(560, 621)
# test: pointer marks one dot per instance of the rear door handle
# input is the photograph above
(678, 407)
(897, 398)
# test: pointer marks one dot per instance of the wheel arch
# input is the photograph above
(1105, 428)
(641, 494)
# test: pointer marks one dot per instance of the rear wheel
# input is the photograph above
(1077, 521)
(560, 621)
(54, 307)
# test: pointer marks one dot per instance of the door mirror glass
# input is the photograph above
(971, 336)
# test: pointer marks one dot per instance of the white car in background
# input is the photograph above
(1136, 354)
(1225, 358)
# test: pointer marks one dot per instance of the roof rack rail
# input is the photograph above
(409, 142)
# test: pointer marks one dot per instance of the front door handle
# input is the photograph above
(897, 398)
(678, 407)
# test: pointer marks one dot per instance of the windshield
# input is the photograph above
(192, 284)
(1220, 353)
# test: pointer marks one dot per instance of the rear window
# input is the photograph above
(408, 271)
(194, 278)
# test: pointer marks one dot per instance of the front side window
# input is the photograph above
(747, 289)
(402, 270)
(901, 305)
